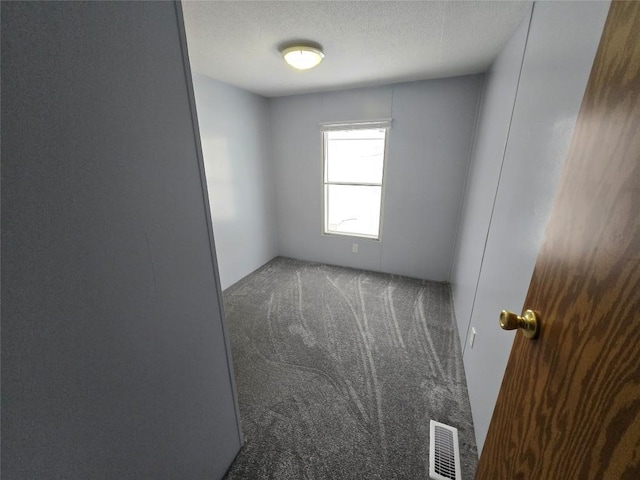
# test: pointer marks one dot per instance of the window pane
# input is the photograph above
(355, 156)
(353, 209)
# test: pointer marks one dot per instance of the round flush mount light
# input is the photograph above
(302, 56)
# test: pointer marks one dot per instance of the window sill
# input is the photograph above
(351, 235)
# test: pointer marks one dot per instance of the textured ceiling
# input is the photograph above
(365, 42)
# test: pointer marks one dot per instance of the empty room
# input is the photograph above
(320, 240)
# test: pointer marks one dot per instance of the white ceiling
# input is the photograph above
(365, 42)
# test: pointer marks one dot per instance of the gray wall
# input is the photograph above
(114, 357)
(234, 128)
(498, 99)
(560, 49)
(429, 149)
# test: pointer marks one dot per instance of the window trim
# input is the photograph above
(328, 127)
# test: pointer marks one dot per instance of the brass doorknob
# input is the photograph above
(528, 322)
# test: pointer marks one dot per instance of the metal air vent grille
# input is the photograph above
(444, 453)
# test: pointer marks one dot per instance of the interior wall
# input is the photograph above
(494, 119)
(429, 149)
(114, 356)
(560, 49)
(235, 134)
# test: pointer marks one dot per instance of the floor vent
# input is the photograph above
(444, 453)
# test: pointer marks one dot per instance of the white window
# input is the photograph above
(354, 158)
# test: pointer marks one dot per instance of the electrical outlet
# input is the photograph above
(354, 248)
(472, 337)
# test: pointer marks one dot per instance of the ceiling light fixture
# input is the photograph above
(302, 56)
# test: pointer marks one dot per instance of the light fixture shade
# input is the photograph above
(302, 57)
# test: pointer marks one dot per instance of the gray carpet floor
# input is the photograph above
(339, 370)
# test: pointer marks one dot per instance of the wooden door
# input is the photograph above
(569, 406)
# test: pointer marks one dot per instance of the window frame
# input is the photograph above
(350, 126)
